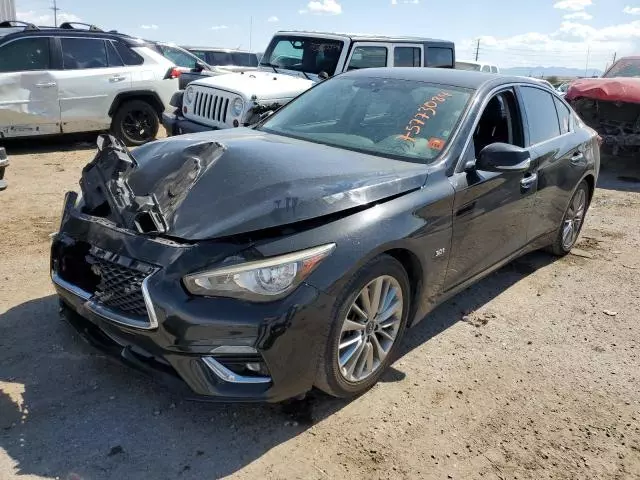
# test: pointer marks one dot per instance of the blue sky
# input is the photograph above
(511, 32)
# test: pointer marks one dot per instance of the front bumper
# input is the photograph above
(176, 124)
(185, 341)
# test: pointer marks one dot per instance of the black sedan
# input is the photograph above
(257, 263)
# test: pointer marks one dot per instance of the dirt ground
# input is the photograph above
(533, 373)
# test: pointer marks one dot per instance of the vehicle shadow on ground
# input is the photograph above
(619, 173)
(67, 411)
(50, 144)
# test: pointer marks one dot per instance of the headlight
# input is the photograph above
(238, 106)
(259, 281)
(189, 93)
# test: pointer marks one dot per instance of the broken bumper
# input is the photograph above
(215, 349)
(4, 163)
(178, 125)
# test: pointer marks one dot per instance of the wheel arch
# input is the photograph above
(415, 271)
(591, 183)
(152, 98)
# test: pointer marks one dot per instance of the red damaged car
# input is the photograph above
(611, 105)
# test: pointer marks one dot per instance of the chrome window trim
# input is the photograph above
(506, 86)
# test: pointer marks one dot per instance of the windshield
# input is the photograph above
(303, 54)
(472, 67)
(625, 67)
(404, 119)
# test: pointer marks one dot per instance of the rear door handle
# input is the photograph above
(46, 84)
(117, 78)
(529, 181)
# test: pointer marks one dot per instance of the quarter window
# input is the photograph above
(439, 57)
(81, 53)
(407, 57)
(368, 57)
(178, 57)
(564, 115)
(486, 68)
(25, 54)
(541, 114)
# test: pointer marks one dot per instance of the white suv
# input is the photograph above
(66, 79)
(292, 63)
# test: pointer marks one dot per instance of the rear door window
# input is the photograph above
(407, 57)
(113, 56)
(82, 53)
(25, 54)
(439, 57)
(368, 57)
(129, 57)
(541, 114)
(564, 116)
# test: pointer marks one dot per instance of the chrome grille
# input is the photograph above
(120, 285)
(211, 106)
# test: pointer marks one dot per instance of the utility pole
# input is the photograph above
(587, 66)
(250, 32)
(614, 58)
(55, 13)
(477, 49)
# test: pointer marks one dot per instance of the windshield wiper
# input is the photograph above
(305, 75)
(270, 65)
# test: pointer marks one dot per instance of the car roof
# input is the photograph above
(216, 49)
(364, 37)
(38, 31)
(445, 76)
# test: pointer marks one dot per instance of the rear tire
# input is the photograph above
(136, 122)
(364, 339)
(572, 221)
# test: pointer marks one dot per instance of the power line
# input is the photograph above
(55, 13)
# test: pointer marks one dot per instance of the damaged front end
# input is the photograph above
(617, 123)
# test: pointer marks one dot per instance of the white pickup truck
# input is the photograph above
(292, 63)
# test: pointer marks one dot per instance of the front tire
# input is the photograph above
(367, 327)
(136, 122)
(572, 221)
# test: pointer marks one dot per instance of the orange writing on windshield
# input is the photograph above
(426, 111)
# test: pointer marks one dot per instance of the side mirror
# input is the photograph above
(323, 75)
(199, 67)
(503, 157)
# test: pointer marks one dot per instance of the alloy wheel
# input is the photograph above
(370, 329)
(573, 219)
(138, 125)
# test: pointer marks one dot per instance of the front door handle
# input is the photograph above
(46, 84)
(117, 78)
(529, 181)
(577, 158)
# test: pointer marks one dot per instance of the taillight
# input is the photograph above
(173, 73)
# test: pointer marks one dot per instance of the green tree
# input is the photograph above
(553, 80)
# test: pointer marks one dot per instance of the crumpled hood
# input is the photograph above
(264, 85)
(620, 89)
(217, 184)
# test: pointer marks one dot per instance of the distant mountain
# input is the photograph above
(550, 71)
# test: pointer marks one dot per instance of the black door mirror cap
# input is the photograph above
(503, 157)
(200, 66)
(323, 75)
